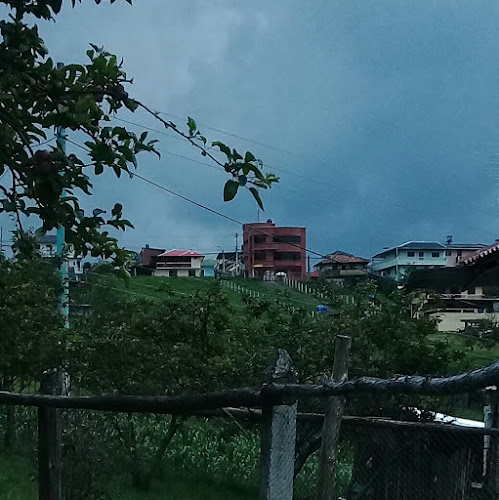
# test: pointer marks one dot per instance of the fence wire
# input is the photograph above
(398, 448)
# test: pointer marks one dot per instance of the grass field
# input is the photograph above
(17, 482)
(16, 479)
(159, 288)
(479, 352)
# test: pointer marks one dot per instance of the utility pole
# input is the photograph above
(61, 243)
(237, 258)
(309, 263)
(223, 261)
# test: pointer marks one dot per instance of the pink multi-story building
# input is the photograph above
(268, 250)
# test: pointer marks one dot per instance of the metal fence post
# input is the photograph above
(332, 422)
(50, 438)
(278, 436)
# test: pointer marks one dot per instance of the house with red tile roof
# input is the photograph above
(177, 262)
(341, 267)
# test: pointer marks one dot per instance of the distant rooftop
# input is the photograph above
(226, 255)
(180, 253)
(340, 257)
(48, 238)
(432, 245)
(465, 246)
(483, 252)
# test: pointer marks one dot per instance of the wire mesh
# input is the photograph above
(394, 448)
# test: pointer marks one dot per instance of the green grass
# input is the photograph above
(159, 288)
(192, 488)
(16, 479)
(478, 352)
(280, 292)
(18, 483)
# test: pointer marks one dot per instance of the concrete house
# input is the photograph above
(397, 262)
(178, 263)
(341, 267)
(229, 264)
(269, 250)
(47, 246)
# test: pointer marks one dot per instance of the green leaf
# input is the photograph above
(249, 157)
(256, 195)
(192, 125)
(117, 209)
(131, 104)
(242, 180)
(225, 149)
(230, 190)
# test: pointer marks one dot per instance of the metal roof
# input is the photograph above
(46, 238)
(465, 246)
(340, 257)
(479, 254)
(180, 253)
(415, 245)
(433, 245)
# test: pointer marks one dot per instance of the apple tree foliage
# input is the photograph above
(39, 97)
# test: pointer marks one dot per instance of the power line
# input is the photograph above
(200, 205)
(235, 135)
(281, 169)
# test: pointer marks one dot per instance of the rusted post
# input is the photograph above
(54, 383)
(278, 435)
(332, 422)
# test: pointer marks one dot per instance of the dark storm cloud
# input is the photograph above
(389, 108)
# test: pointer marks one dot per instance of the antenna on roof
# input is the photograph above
(449, 239)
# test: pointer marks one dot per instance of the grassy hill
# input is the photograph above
(159, 288)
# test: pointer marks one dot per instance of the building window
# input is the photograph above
(173, 272)
(343, 267)
(411, 254)
(287, 239)
(260, 238)
(435, 255)
(459, 253)
(448, 253)
(421, 255)
(259, 256)
(192, 272)
(287, 256)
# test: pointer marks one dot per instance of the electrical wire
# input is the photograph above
(200, 205)
(287, 171)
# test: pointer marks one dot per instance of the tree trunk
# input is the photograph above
(155, 466)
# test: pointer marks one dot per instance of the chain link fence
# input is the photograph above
(396, 447)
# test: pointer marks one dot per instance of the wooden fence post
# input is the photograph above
(491, 418)
(278, 435)
(54, 383)
(332, 422)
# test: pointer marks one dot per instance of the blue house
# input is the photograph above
(208, 268)
(397, 261)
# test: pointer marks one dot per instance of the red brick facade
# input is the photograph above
(270, 249)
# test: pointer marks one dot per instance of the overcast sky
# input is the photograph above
(381, 118)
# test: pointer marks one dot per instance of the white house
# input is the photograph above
(178, 263)
(47, 246)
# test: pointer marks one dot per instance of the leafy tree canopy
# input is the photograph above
(39, 96)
